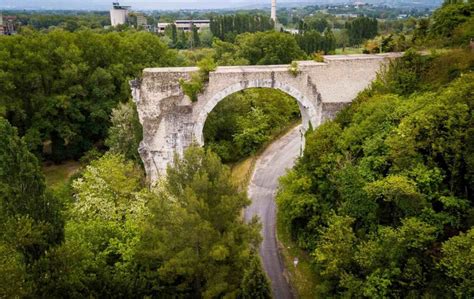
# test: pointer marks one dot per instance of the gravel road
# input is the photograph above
(272, 164)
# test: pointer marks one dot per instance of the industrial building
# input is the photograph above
(118, 14)
(185, 25)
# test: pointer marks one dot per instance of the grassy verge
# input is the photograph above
(242, 171)
(57, 175)
(349, 50)
(302, 278)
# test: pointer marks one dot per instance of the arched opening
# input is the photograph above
(244, 121)
(310, 109)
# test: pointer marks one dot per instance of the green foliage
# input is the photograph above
(106, 190)
(313, 41)
(335, 249)
(315, 23)
(196, 42)
(458, 262)
(125, 133)
(450, 16)
(193, 87)
(255, 283)
(60, 87)
(259, 48)
(360, 29)
(244, 121)
(70, 21)
(381, 187)
(293, 69)
(30, 216)
(252, 131)
(196, 230)
(226, 27)
(13, 273)
(102, 235)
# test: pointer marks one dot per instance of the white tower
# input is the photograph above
(118, 14)
(273, 14)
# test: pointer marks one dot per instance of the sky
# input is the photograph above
(136, 4)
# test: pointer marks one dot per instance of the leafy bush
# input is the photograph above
(293, 68)
(193, 87)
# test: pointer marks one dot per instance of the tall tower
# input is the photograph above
(273, 14)
(118, 14)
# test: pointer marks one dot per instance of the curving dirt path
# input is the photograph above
(272, 164)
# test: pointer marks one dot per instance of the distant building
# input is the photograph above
(292, 31)
(8, 25)
(141, 20)
(185, 25)
(2, 30)
(346, 15)
(118, 14)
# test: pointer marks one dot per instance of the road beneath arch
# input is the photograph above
(272, 164)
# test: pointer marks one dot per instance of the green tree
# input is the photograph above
(449, 16)
(334, 251)
(174, 34)
(13, 273)
(255, 283)
(252, 131)
(196, 229)
(125, 133)
(268, 48)
(98, 256)
(196, 42)
(360, 29)
(59, 88)
(31, 218)
(458, 262)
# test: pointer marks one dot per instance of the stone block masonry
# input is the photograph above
(171, 122)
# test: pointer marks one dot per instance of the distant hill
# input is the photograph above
(186, 4)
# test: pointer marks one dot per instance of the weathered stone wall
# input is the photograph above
(171, 122)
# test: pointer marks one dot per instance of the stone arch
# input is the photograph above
(310, 109)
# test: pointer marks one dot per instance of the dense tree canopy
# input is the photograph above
(30, 218)
(269, 48)
(196, 230)
(361, 28)
(382, 198)
(59, 88)
(227, 27)
(240, 124)
(313, 41)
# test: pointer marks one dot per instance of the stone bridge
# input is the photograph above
(171, 122)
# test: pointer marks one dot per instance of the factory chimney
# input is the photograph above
(274, 11)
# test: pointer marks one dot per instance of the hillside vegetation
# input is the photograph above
(382, 198)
